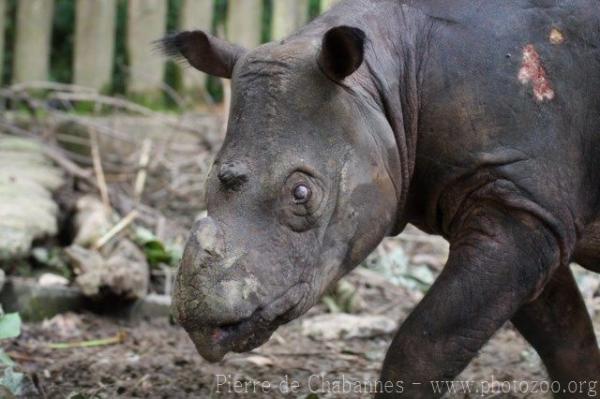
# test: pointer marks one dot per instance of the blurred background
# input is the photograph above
(104, 149)
(105, 45)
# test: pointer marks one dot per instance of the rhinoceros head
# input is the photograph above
(299, 193)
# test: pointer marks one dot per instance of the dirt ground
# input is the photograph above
(157, 360)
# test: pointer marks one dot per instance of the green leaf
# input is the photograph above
(155, 246)
(331, 304)
(156, 252)
(12, 381)
(143, 235)
(10, 325)
(5, 359)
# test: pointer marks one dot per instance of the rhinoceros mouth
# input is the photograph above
(214, 342)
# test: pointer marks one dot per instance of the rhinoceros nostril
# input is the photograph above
(233, 175)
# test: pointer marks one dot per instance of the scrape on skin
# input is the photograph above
(533, 72)
(556, 37)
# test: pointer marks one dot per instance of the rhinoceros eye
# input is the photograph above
(301, 193)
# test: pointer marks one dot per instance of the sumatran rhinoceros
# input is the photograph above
(475, 120)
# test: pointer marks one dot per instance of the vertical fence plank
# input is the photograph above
(146, 21)
(2, 26)
(32, 43)
(195, 14)
(244, 22)
(95, 24)
(288, 16)
(327, 4)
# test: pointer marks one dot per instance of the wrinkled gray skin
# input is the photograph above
(261, 259)
(431, 112)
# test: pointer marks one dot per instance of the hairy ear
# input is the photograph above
(203, 51)
(342, 51)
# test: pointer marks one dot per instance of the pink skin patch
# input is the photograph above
(533, 72)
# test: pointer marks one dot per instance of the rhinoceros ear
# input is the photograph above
(342, 51)
(203, 51)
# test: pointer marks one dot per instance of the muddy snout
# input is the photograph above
(211, 290)
(205, 246)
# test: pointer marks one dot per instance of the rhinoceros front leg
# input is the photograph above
(499, 260)
(558, 326)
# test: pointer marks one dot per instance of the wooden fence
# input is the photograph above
(95, 37)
